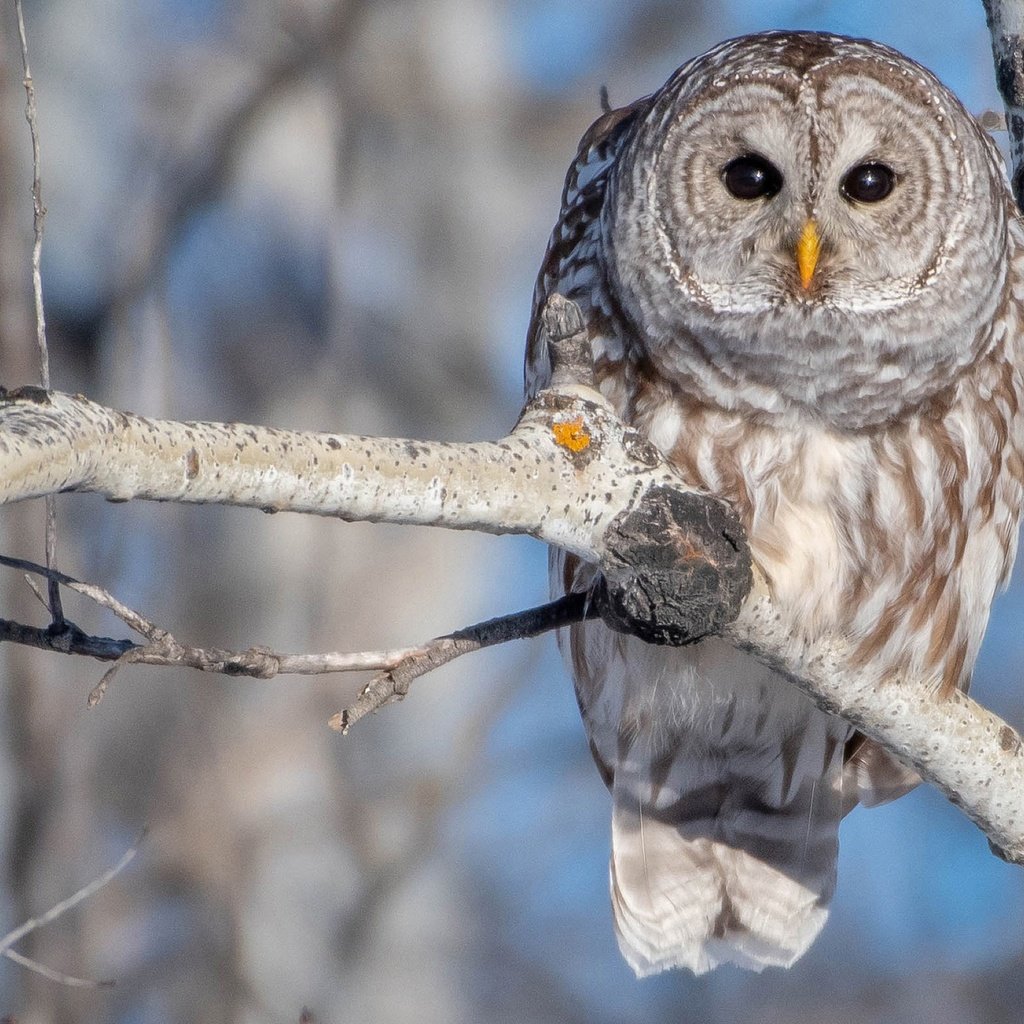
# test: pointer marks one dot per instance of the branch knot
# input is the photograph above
(678, 568)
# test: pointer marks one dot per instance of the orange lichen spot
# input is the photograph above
(571, 434)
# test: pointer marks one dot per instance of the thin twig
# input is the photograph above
(38, 216)
(58, 976)
(397, 668)
(99, 691)
(38, 210)
(393, 684)
(163, 649)
(70, 640)
(59, 909)
(39, 595)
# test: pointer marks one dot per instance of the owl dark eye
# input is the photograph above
(752, 177)
(868, 183)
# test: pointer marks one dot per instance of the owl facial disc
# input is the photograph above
(796, 224)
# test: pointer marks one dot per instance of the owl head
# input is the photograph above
(804, 223)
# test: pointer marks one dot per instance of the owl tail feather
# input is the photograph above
(721, 876)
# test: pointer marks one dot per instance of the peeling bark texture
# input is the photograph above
(1006, 26)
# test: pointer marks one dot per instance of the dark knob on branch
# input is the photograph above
(678, 568)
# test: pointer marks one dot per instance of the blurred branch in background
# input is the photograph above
(57, 910)
(38, 216)
(200, 174)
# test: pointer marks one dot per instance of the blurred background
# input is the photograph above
(329, 215)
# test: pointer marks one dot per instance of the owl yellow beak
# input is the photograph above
(808, 249)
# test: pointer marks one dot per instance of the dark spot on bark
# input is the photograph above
(414, 450)
(640, 449)
(1008, 739)
(28, 393)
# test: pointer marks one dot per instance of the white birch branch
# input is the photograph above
(530, 482)
(970, 754)
(569, 474)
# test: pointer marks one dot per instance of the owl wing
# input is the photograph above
(572, 264)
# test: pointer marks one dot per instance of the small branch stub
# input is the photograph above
(568, 343)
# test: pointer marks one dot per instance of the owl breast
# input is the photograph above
(894, 540)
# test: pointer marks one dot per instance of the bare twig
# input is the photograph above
(393, 684)
(57, 910)
(38, 216)
(38, 210)
(398, 667)
(51, 975)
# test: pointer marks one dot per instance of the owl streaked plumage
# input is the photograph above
(801, 270)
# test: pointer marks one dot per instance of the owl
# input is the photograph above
(801, 272)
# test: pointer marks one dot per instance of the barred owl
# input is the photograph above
(801, 271)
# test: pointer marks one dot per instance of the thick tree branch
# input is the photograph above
(675, 565)
(962, 748)
(566, 471)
